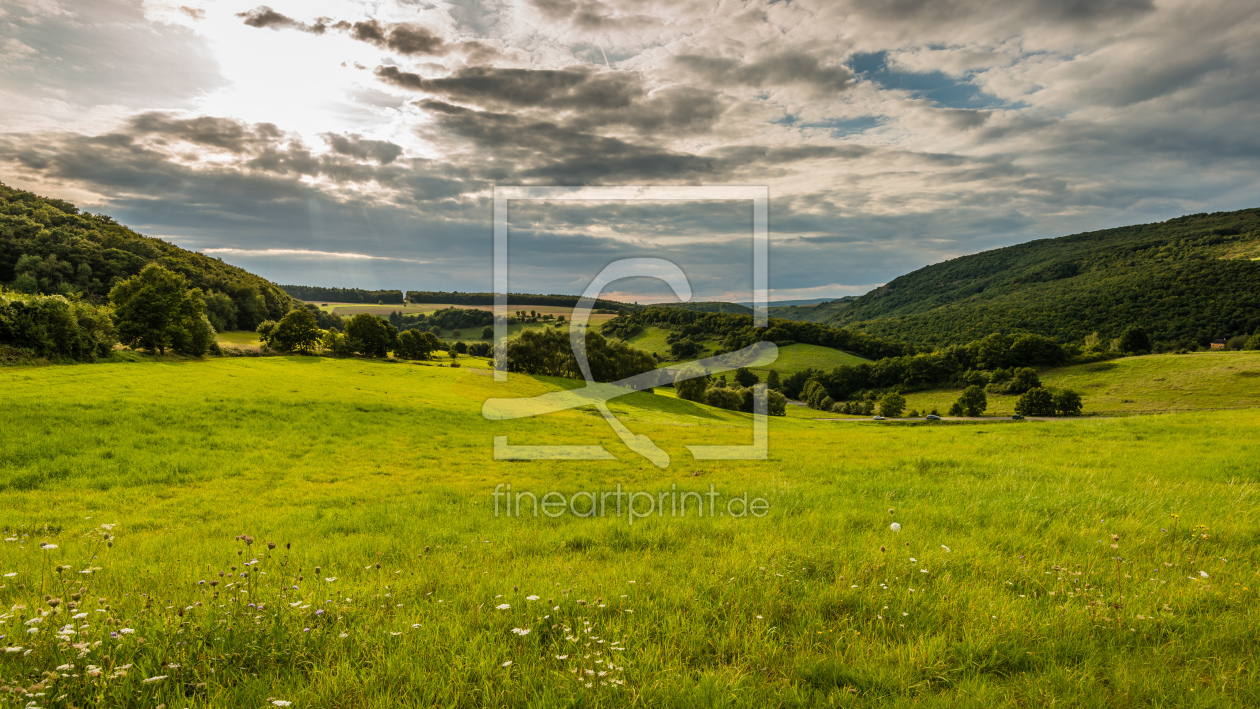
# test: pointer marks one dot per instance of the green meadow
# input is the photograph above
(1160, 383)
(237, 532)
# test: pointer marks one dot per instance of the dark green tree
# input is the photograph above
(487, 332)
(745, 378)
(1035, 402)
(1024, 378)
(297, 331)
(892, 404)
(772, 381)
(371, 335)
(973, 402)
(1067, 403)
(156, 310)
(1134, 340)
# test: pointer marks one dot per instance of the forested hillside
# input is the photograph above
(1186, 281)
(820, 312)
(49, 246)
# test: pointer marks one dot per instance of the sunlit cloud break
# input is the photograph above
(307, 253)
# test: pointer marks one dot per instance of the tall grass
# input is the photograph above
(1004, 585)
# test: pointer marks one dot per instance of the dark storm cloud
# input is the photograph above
(558, 154)
(1073, 11)
(263, 16)
(405, 38)
(579, 87)
(784, 68)
(224, 133)
(381, 151)
(590, 98)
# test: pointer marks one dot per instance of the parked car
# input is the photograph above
(933, 417)
(879, 418)
(1017, 417)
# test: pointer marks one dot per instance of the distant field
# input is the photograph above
(652, 339)
(794, 358)
(1148, 384)
(393, 582)
(237, 338)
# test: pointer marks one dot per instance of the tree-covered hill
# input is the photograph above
(49, 246)
(1186, 281)
(818, 312)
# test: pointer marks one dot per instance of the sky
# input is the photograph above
(357, 144)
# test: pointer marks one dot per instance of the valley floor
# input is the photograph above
(1090, 562)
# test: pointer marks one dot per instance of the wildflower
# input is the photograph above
(330, 579)
(46, 546)
(1203, 574)
(895, 527)
(507, 664)
(562, 657)
(127, 631)
(521, 631)
(153, 680)
(281, 703)
(945, 548)
(502, 607)
(10, 575)
(344, 635)
(531, 598)
(415, 626)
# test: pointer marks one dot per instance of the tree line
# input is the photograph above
(344, 295)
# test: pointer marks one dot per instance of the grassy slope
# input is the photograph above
(1131, 385)
(361, 463)
(794, 358)
(1149, 384)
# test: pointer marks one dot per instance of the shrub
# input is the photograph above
(1253, 342)
(1134, 340)
(487, 332)
(55, 327)
(724, 398)
(1035, 402)
(776, 403)
(1022, 380)
(973, 402)
(892, 405)
(745, 378)
(772, 381)
(413, 344)
(692, 389)
(1067, 403)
